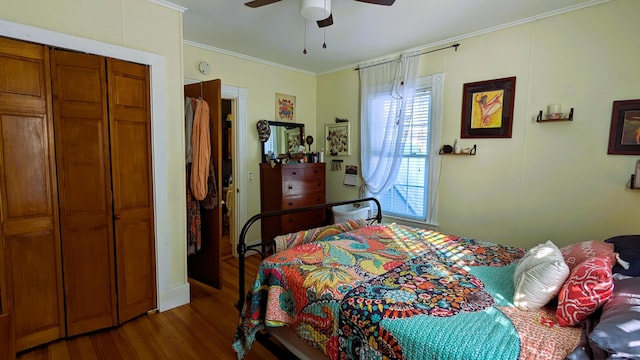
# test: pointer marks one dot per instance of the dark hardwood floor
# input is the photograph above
(202, 329)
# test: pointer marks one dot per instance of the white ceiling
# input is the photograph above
(276, 33)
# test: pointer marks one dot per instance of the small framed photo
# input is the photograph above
(624, 134)
(487, 108)
(337, 136)
(293, 140)
(636, 184)
(285, 107)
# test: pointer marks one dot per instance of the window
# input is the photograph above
(408, 197)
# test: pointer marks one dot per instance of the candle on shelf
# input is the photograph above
(554, 109)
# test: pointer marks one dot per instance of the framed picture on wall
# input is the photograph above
(636, 185)
(337, 137)
(285, 107)
(624, 134)
(487, 108)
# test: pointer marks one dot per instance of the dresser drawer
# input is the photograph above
(297, 201)
(302, 186)
(303, 220)
(293, 173)
(315, 172)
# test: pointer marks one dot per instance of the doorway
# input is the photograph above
(232, 214)
(238, 212)
(228, 193)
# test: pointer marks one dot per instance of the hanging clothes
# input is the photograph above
(194, 215)
(210, 201)
(194, 219)
(202, 192)
(188, 127)
(200, 150)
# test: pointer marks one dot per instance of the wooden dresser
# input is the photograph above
(292, 186)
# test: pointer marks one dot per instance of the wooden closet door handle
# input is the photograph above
(116, 216)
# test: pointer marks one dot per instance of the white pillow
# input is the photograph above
(539, 276)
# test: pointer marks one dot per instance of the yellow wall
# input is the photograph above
(262, 81)
(551, 180)
(145, 32)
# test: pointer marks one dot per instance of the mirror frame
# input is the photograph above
(286, 125)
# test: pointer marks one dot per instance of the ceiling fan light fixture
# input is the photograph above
(315, 9)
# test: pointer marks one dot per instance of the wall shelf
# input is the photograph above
(568, 118)
(470, 152)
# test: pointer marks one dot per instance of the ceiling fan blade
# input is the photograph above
(258, 3)
(378, 2)
(326, 22)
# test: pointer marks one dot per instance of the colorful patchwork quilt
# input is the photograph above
(395, 292)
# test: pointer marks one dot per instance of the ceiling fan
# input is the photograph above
(316, 10)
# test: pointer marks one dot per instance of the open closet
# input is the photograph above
(78, 243)
(204, 223)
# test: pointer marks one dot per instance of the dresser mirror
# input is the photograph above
(285, 138)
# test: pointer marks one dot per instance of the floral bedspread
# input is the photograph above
(395, 292)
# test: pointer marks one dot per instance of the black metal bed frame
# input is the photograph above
(263, 247)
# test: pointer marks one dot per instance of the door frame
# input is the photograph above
(239, 211)
(169, 294)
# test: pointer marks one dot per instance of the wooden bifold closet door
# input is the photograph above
(31, 271)
(84, 190)
(130, 129)
(104, 183)
(78, 246)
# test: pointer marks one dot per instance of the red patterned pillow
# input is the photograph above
(576, 253)
(589, 285)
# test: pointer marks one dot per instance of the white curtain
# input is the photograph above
(386, 92)
(435, 126)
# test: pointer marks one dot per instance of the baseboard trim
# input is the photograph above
(174, 297)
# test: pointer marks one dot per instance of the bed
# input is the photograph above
(367, 290)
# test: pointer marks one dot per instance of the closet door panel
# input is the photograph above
(24, 78)
(82, 150)
(132, 137)
(31, 271)
(130, 125)
(35, 289)
(7, 338)
(27, 184)
(135, 296)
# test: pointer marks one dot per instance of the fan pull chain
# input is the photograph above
(305, 37)
(324, 39)
(324, 30)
